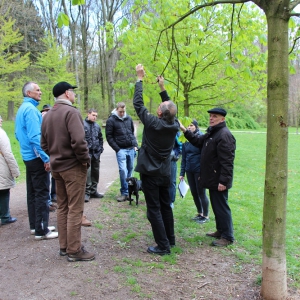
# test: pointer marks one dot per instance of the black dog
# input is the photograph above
(134, 186)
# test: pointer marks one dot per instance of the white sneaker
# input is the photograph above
(51, 228)
(49, 235)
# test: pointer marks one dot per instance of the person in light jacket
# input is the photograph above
(8, 170)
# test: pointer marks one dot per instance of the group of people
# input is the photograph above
(62, 142)
(217, 149)
(59, 138)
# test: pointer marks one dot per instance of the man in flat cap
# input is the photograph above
(216, 173)
(63, 139)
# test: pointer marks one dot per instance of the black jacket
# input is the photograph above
(190, 160)
(158, 138)
(217, 156)
(120, 133)
(94, 138)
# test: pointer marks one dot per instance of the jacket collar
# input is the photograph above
(31, 100)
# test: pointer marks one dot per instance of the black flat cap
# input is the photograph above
(46, 107)
(61, 87)
(218, 111)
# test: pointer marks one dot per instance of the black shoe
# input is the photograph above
(86, 198)
(158, 251)
(8, 221)
(97, 195)
(62, 252)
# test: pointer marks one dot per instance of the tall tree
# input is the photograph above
(11, 63)
(278, 14)
(51, 67)
(196, 64)
(29, 24)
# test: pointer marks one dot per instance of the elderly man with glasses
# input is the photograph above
(63, 139)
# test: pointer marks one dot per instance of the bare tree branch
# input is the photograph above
(294, 43)
(292, 5)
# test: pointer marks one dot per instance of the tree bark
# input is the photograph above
(274, 277)
(10, 111)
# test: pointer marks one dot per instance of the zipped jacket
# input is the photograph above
(94, 138)
(120, 132)
(217, 156)
(28, 130)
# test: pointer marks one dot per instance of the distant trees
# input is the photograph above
(12, 63)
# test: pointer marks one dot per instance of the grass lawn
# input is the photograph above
(245, 198)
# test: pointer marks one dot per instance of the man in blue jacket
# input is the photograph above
(28, 133)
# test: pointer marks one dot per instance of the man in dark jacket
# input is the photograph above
(154, 163)
(216, 173)
(94, 139)
(120, 136)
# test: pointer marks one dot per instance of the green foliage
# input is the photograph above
(240, 118)
(78, 2)
(62, 20)
(11, 63)
(51, 67)
(200, 68)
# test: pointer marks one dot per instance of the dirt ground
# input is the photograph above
(33, 270)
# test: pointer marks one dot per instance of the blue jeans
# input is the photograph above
(173, 180)
(125, 158)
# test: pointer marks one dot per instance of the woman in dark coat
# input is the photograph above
(190, 165)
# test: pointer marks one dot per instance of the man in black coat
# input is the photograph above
(120, 136)
(216, 172)
(154, 163)
(94, 139)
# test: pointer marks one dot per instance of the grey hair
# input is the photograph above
(169, 110)
(28, 86)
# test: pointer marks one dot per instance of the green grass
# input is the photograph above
(245, 199)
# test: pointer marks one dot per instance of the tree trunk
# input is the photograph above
(274, 277)
(10, 111)
(84, 29)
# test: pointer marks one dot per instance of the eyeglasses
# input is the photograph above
(72, 91)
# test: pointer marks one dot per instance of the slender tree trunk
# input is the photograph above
(186, 106)
(85, 58)
(274, 277)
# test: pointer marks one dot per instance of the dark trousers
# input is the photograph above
(221, 209)
(159, 211)
(173, 180)
(92, 177)
(199, 194)
(53, 188)
(4, 205)
(37, 183)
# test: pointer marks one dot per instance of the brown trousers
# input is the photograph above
(70, 190)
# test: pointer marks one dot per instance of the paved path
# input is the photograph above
(109, 170)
